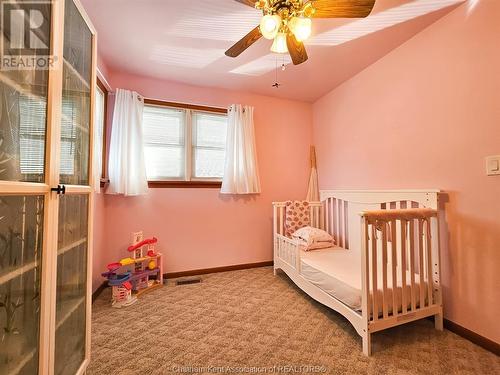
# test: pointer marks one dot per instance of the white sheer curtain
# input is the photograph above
(241, 174)
(127, 169)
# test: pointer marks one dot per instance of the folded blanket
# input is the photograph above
(311, 238)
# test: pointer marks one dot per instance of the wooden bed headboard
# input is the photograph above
(342, 209)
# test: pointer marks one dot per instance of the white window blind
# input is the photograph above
(164, 142)
(209, 145)
(32, 120)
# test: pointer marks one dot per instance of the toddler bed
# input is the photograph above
(384, 268)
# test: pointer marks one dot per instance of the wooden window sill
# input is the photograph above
(185, 184)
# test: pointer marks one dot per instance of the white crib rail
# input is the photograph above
(390, 257)
(286, 249)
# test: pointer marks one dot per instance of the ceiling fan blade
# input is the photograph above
(250, 3)
(296, 49)
(244, 43)
(342, 8)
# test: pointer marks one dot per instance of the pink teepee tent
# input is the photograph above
(313, 189)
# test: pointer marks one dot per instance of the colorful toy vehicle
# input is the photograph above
(132, 276)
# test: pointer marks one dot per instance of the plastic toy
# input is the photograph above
(133, 276)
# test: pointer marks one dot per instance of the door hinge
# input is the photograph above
(60, 189)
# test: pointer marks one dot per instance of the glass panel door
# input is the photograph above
(71, 283)
(21, 231)
(23, 99)
(75, 123)
(72, 301)
(23, 194)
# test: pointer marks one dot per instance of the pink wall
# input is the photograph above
(199, 228)
(100, 257)
(425, 116)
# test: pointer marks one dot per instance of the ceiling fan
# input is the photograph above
(289, 22)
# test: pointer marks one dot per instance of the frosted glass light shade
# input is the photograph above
(279, 44)
(300, 27)
(270, 25)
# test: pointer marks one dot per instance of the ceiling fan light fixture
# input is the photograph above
(300, 27)
(279, 44)
(270, 25)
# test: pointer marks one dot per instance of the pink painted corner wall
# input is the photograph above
(425, 116)
(100, 256)
(199, 228)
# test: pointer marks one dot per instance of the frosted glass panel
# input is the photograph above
(209, 145)
(21, 234)
(163, 130)
(209, 163)
(23, 103)
(164, 162)
(210, 130)
(75, 123)
(71, 283)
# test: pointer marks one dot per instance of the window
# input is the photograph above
(164, 143)
(209, 145)
(100, 99)
(184, 144)
(101, 105)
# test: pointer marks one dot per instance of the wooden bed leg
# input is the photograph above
(367, 344)
(438, 321)
(274, 271)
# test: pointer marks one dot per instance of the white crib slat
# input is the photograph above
(429, 261)
(280, 221)
(280, 253)
(404, 301)
(394, 264)
(374, 273)
(327, 215)
(337, 220)
(331, 216)
(322, 217)
(334, 221)
(343, 221)
(275, 220)
(399, 205)
(412, 264)
(346, 226)
(421, 263)
(311, 216)
(385, 292)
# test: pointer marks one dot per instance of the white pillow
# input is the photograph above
(312, 235)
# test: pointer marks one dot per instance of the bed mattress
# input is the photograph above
(338, 272)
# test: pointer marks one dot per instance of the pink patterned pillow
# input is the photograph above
(296, 216)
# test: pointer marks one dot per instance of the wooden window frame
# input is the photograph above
(103, 88)
(207, 184)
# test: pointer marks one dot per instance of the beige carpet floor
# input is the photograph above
(250, 321)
